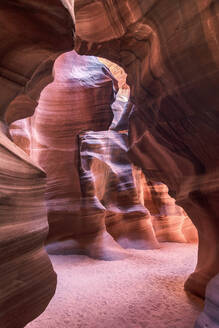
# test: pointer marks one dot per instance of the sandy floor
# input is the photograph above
(143, 291)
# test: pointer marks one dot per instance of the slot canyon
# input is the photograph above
(109, 153)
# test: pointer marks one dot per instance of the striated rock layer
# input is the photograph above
(107, 175)
(173, 73)
(28, 51)
(29, 31)
(170, 222)
(79, 99)
(27, 278)
(93, 187)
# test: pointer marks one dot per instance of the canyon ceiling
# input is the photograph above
(170, 53)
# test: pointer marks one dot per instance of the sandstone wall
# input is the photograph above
(169, 51)
(29, 31)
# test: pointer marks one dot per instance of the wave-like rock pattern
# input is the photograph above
(170, 222)
(173, 73)
(28, 51)
(79, 99)
(29, 31)
(137, 210)
(107, 175)
(27, 278)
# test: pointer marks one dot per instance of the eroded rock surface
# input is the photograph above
(170, 222)
(173, 73)
(27, 278)
(93, 188)
(28, 34)
(107, 174)
(79, 99)
(164, 75)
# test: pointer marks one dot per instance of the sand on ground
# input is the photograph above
(145, 290)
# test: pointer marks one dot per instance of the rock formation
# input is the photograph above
(209, 317)
(170, 222)
(173, 75)
(29, 31)
(93, 188)
(27, 277)
(135, 213)
(79, 99)
(107, 174)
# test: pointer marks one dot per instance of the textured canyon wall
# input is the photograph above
(170, 222)
(107, 174)
(122, 97)
(173, 73)
(79, 99)
(170, 52)
(91, 184)
(136, 214)
(29, 31)
(27, 278)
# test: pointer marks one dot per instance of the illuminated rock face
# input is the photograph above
(137, 211)
(29, 31)
(94, 187)
(79, 99)
(170, 222)
(107, 175)
(173, 72)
